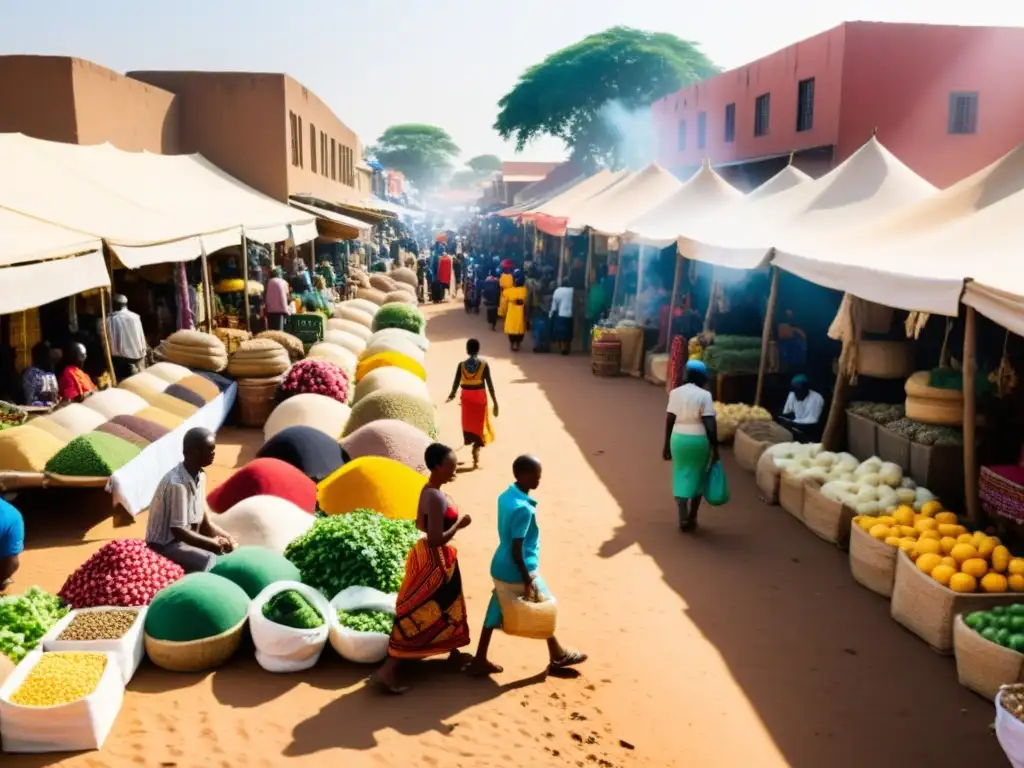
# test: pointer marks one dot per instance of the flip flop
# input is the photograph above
(569, 659)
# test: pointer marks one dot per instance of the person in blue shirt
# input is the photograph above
(515, 567)
(12, 542)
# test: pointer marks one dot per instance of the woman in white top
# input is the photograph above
(691, 441)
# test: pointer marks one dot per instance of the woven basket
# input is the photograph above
(523, 618)
(768, 478)
(981, 665)
(256, 400)
(827, 518)
(791, 495)
(927, 608)
(747, 450)
(606, 356)
(947, 413)
(195, 655)
(885, 359)
(872, 562)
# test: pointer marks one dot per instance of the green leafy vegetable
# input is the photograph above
(360, 548)
(404, 316)
(367, 621)
(291, 609)
(24, 619)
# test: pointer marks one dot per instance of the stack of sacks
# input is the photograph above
(391, 378)
(362, 305)
(404, 276)
(75, 418)
(265, 521)
(115, 402)
(387, 487)
(27, 448)
(400, 316)
(332, 352)
(317, 411)
(386, 359)
(259, 359)
(195, 349)
(172, 373)
(401, 334)
(309, 450)
(195, 389)
(413, 409)
(400, 297)
(358, 315)
(337, 334)
(96, 454)
(372, 295)
(394, 344)
(350, 327)
(390, 439)
(292, 344)
(383, 283)
(264, 477)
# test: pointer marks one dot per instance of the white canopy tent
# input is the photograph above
(148, 208)
(610, 212)
(41, 262)
(865, 188)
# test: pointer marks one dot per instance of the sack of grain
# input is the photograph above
(353, 342)
(404, 275)
(76, 418)
(199, 358)
(199, 342)
(394, 344)
(383, 283)
(400, 297)
(292, 344)
(365, 319)
(265, 521)
(309, 450)
(418, 339)
(169, 372)
(114, 402)
(391, 439)
(371, 482)
(386, 359)
(264, 477)
(391, 378)
(372, 295)
(383, 404)
(351, 327)
(362, 305)
(254, 569)
(318, 411)
(259, 359)
(337, 354)
(79, 628)
(27, 449)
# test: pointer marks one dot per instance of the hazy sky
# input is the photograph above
(445, 62)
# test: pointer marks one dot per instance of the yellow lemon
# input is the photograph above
(886, 520)
(947, 543)
(975, 566)
(931, 508)
(880, 531)
(1016, 581)
(962, 552)
(928, 547)
(908, 545)
(892, 541)
(963, 582)
(1016, 566)
(993, 582)
(926, 524)
(1000, 558)
(986, 548)
(965, 538)
(930, 535)
(908, 531)
(867, 522)
(943, 573)
(950, 530)
(946, 517)
(904, 515)
(979, 537)
(928, 561)
(947, 560)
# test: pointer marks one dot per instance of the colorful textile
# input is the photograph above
(676, 363)
(476, 418)
(74, 383)
(505, 282)
(507, 591)
(38, 386)
(431, 611)
(1001, 490)
(690, 456)
(444, 270)
(515, 311)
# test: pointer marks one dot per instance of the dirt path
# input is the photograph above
(746, 645)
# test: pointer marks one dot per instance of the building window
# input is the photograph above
(312, 147)
(302, 153)
(762, 112)
(293, 119)
(730, 123)
(348, 166)
(334, 167)
(963, 112)
(805, 105)
(681, 139)
(323, 154)
(702, 130)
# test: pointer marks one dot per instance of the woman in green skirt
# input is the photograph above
(691, 441)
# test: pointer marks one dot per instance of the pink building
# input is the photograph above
(941, 98)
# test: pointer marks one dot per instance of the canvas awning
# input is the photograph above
(552, 217)
(610, 212)
(41, 262)
(332, 224)
(148, 208)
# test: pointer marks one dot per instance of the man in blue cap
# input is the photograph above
(801, 414)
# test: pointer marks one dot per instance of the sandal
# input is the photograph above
(570, 658)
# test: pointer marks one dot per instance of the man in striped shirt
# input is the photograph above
(127, 340)
(179, 526)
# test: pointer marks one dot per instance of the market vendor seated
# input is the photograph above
(180, 527)
(12, 542)
(74, 383)
(801, 414)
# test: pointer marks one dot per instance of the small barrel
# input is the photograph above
(606, 355)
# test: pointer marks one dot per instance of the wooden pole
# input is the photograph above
(832, 436)
(245, 280)
(766, 334)
(106, 337)
(561, 258)
(969, 368)
(672, 303)
(581, 322)
(639, 277)
(207, 290)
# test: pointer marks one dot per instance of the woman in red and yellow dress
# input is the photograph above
(474, 377)
(74, 383)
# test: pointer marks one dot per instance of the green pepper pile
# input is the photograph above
(367, 621)
(291, 609)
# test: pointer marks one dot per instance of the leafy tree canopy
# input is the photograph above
(421, 152)
(485, 163)
(464, 179)
(566, 95)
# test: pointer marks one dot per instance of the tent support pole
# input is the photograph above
(245, 279)
(581, 320)
(204, 265)
(970, 421)
(672, 311)
(766, 334)
(561, 259)
(106, 337)
(831, 437)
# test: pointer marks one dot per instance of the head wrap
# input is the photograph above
(696, 366)
(799, 380)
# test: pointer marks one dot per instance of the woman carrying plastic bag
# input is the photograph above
(280, 648)
(355, 645)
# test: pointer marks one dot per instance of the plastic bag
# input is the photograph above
(287, 649)
(717, 492)
(1010, 733)
(352, 645)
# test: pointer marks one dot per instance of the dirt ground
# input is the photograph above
(747, 644)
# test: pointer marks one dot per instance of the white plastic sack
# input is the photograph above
(286, 649)
(351, 645)
(75, 727)
(128, 650)
(1010, 732)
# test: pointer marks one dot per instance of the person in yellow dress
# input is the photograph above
(505, 281)
(515, 314)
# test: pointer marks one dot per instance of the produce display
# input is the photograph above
(124, 573)
(376, 360)
(11, 416)
(372, 482)
(414, 410)
(24, 619)
(196, 607)
(292, 344)
(99, 625)
(254, 569)
(391, 439)
(734, 354)
(730, 416)
(880, 413)
(367, 621)
(60, 678)
(27, 448)
(264, 476)
(1012, 699)
(402, 316)
(320, 412)
(291, 609)
(361, 548)
(945, 550)
(1003, 624)
(95, 454)
(926, 434)
(316, 376)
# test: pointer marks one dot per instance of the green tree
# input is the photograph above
(485, 163)
(464, 179)
(422, 152)
(567, 94)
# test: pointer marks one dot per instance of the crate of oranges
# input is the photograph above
(64, 701)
